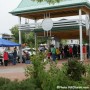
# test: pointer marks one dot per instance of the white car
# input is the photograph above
(31, 51)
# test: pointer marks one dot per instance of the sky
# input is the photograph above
(7, 20)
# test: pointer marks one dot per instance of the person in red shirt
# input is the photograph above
(84, 52)
(70, 51)
(5, 57)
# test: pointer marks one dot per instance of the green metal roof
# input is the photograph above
(32, 6)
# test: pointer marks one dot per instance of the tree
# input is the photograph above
(41, 40)
(30, 38)
(49, 1)
(27, 37)
(15, 32)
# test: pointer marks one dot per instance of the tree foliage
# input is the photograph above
(27, 37)
(75, 70)
(14, 30)
(47, 76)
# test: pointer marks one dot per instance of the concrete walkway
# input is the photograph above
(13, 72)
(17, 71)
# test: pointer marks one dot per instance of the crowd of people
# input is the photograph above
(63, 52)
(5, 57)
(13, 57)
(67, 51)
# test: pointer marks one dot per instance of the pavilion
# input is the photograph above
(76, 29)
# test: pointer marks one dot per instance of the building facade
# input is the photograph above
(6, 36)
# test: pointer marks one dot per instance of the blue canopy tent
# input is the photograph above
(7, 43)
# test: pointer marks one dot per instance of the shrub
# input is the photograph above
(12, 85)
(49, 79)
(87, 78)
(75, 70)
(36, 71)
(40, 78)
(4, 81)
(27, 84)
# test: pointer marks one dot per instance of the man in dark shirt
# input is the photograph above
(14, 56)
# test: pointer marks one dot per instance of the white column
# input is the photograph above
(35, 34)
(35, 40)
(20, 41)
(20, 31)
(80, 28)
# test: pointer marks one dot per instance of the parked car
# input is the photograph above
(31, 51)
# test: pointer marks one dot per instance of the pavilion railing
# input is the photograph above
(60, 23)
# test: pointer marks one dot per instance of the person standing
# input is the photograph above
(53, 51)
(23, 57)
(84, 52)
(70, 51)
(5, 57)
(78, 50)
(58, 53)
(74, 50)
(14, 56)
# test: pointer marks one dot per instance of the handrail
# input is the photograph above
(60, 23)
